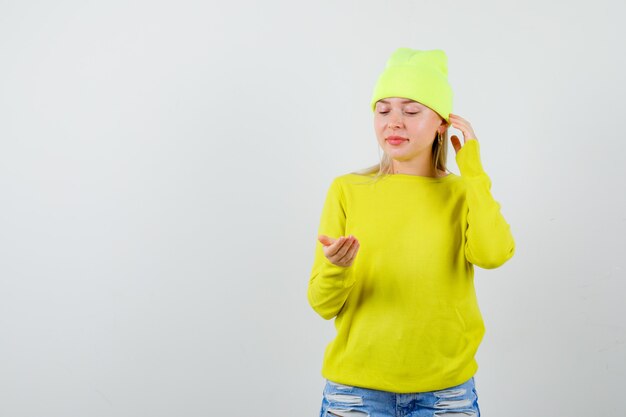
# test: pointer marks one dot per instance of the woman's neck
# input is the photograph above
(399, 167)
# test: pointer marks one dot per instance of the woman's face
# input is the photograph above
(409, 120)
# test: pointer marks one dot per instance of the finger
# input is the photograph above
(466, 129)
(456, 143)
(348, 242)
(335, 249)
(353, 250)
(325, 240)
(461, 127)
(458, 118)
(454, 119)
(467, 133)
(347, 258)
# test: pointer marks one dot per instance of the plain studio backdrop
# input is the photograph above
(164, 165)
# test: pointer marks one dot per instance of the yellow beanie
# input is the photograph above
(417, 75)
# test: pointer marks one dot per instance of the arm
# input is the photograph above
(489, 242)
(330, 284)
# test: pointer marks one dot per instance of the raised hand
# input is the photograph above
(465, 127)
(341, 251)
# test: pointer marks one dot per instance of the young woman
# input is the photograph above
(394, 262)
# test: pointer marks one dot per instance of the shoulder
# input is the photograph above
(343, 185)
(455, 181)
(352, 179)
(452, 177)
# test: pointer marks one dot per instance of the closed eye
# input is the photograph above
(385, 112)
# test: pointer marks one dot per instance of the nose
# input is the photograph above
(394, 121)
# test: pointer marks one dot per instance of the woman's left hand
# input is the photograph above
(464, 126)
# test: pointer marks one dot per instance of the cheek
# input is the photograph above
(417, 125)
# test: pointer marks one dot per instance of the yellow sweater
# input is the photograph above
(407, 317)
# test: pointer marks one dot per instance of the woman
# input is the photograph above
(394, 261)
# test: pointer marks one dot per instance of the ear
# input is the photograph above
(443, 126)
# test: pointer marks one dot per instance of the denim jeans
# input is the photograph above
(348, 401)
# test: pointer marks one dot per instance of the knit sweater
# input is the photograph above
(406, 313)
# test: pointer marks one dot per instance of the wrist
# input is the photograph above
(468, 159)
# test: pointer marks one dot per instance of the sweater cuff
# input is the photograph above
(468, 159)
(336, 275)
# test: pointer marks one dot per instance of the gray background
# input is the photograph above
(163, 169)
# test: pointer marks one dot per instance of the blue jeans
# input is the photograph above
(348, 401)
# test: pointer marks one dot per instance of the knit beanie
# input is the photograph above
(420, 75)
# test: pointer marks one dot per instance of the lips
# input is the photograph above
(396, 140)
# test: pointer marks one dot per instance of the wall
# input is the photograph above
(163, 168)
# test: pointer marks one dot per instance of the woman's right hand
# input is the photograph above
(341, 251)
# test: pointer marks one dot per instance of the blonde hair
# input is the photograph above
(384, 168)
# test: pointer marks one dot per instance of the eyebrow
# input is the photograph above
(403, 101)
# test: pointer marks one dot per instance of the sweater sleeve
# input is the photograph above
(489, 242)
(330, 284)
